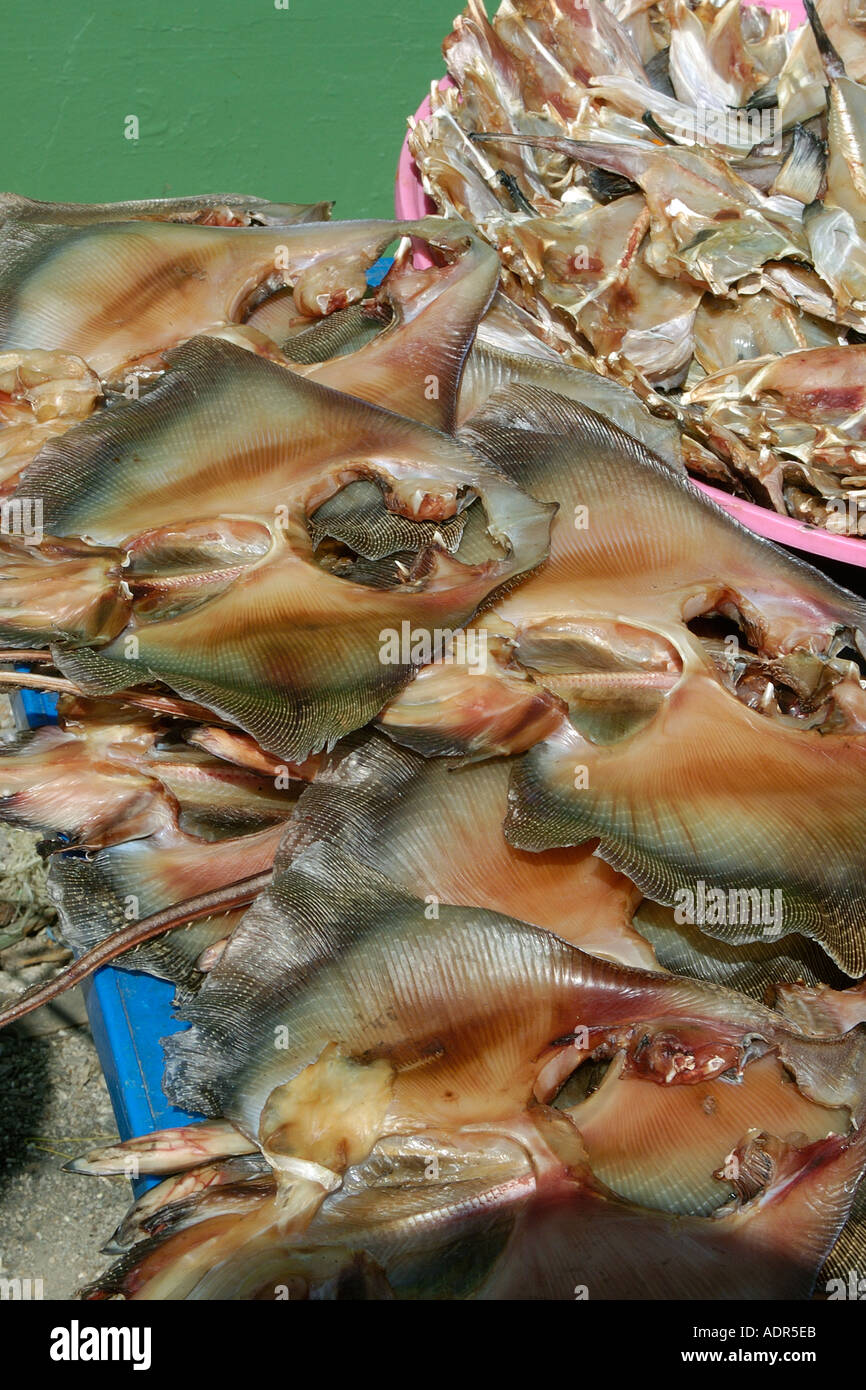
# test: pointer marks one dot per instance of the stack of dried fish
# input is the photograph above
(677, 194)
(493, 801)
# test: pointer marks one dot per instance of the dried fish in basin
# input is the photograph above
(747, 158)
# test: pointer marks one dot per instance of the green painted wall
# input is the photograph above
(297, 104)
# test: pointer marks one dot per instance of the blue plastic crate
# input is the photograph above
(129, 1014)
(39, 707)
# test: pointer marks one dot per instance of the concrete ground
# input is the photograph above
(54, 1105)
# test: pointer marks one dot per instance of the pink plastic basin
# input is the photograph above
(412, 202)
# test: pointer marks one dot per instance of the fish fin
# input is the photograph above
(819, 1009)
(559, 450)
(164, 1151)
(750, 967)
(99, 895)
(848, 1255)
(357, 516)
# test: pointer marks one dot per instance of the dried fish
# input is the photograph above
(273, 1100)
(41, 395)
(497, 1227)
(741, 142)
(208, 210)
(804, 172)
(187, 418)
(458, 983)
(118, 294)
(635, 680)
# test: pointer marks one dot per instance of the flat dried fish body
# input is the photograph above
(641, 708)
(120, 293)
(253, 449)
(525, 1224)
(481, 1137)
(209, 210)
(812, 387)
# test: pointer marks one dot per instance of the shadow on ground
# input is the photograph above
(53, 1105)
